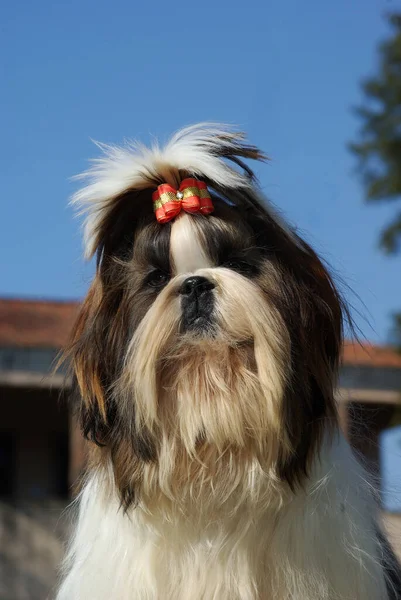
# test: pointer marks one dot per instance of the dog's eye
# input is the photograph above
(157, 278)
(240, 266)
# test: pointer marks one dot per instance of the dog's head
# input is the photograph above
(210, 333)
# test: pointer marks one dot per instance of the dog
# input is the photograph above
(205, 359)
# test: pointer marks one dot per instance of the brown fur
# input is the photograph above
(296, 286)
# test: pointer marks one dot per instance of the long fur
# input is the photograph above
(198, 150)
(318, 545)
(217, 469)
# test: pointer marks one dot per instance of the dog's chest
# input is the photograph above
(224, 564)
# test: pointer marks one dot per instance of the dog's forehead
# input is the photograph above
(189, 242)
(187, 249)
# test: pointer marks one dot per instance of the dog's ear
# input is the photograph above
(316, 326)
(323, 313)
(87, 362)
(96, 355)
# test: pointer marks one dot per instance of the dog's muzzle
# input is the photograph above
(197, 302)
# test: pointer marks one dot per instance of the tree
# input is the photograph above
(378, 148)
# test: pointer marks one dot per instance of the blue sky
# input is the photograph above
(285, 71)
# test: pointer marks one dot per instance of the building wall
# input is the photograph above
(34, 438)
(366, 422)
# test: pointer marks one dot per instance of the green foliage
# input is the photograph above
(395, 336)
(378, 148)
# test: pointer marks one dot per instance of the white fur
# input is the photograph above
(318, 546)
(137, 167)
(186, 248)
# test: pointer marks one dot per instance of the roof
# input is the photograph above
(36, 323)
(370, 355)
(43, 323)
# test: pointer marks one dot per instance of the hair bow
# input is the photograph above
(192, 196)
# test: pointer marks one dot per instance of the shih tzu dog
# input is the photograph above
(205, 358)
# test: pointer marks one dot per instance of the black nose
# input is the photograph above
(194, 286)
(197, 302)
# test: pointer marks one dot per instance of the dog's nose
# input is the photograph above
(197, 302)
(195, 285)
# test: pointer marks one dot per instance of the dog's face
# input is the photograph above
(206, 336)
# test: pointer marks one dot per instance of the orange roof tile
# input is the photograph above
(370, 355)
(38, 323)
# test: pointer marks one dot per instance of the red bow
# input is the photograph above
(192, 196)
